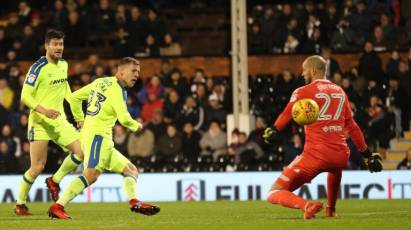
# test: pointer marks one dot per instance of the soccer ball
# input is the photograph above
(305, 111)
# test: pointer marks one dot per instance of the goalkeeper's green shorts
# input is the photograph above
(59, 131)
(100, 154)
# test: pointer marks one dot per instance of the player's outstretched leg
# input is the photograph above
(77, 185)
(130, 188)
(38, 157)
(333, 185)
(291, 179)
(70, 163)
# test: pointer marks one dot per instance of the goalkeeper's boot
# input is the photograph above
(54, 188)
(311, 209)
(57, 211)
(330, 212)
(143, 208)
(22, 210)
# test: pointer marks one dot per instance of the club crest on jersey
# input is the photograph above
(31, 79)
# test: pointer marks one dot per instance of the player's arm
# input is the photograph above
(373, 160)
(76, 102)
(118, 103)
(270, 133)
(30, 87)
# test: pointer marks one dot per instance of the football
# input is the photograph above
(305, 111)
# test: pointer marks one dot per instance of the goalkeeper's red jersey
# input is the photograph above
(326, 138)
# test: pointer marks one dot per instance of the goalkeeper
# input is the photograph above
(325, 149)
(106, 104)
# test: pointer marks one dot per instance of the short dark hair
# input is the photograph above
(53, 34)
(128, 60)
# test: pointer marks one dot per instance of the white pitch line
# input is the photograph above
(373, 213)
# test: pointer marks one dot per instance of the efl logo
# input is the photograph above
(191, 189)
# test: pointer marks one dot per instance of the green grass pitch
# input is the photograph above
(255, 215)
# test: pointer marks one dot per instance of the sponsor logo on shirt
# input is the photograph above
(58, 81)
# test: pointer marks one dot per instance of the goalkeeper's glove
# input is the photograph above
(373, 161)
(270, 135)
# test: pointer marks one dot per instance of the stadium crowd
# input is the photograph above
(185, 116)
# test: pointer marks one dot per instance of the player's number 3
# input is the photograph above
(328, 99)
(94, 103)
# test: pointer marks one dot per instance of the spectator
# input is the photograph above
(214, 141)
(214, 111)
(6, 95)
(23, 161)
(170, 47)
(406, 162)
(24, 12)
(59, 15)
(268, 25)
(191, 112)
(165, 71)
(201, 95)
(405, 76)
(293, 149)
(378, 39)
(343, 39)
(379, 125)
(360, 21)
(151, 48)
(370, 65)
(349, 90)
(14, 27)
(21, 129)
(392, 67)
(172, 107)
(136, 27)
(387, 28)
(332, 64)
(177, 82)
(153, 103)
(256, 41)
(190, 144)
(104, 19)
(120, 138)
(7, 159)
(5, 44)
(132, 107)
(330, 21)
(247, 151)
(314, 43)
(75, 31)
(399, 102)
(155, 26)
(153, 86)
(156, 124)
(122, 45)
(169, 144)
(121, 15)
(12, 141)
(141, 143)
(39, 29)
(30, 45)
(290, 45)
